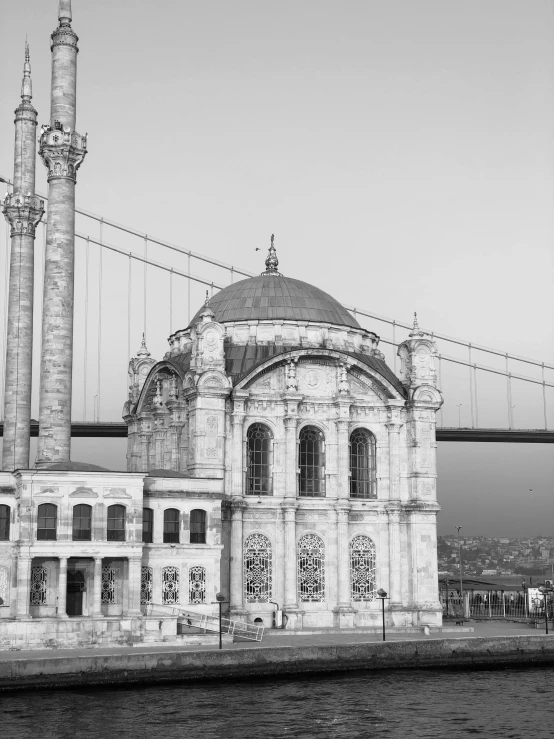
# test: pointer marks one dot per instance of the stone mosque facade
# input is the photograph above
(273, 456)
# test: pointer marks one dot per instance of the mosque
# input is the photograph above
(273, 456)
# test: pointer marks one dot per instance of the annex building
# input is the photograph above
(273, 456)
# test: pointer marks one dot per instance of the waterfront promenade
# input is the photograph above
(488, 645)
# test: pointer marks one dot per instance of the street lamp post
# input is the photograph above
(220, 600)
(460, 562)
(383, 595)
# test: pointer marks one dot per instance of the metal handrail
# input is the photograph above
(208, 622)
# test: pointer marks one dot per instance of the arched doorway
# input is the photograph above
(75, 588)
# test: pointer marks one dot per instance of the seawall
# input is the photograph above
(64, 669)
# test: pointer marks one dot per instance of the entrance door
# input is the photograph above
(75, 587)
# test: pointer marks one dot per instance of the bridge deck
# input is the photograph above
(519, 436)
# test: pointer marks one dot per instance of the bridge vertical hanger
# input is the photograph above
(23, 211)
(62, 150)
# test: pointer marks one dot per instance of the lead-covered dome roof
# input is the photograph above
(269, 297)
(274, 297)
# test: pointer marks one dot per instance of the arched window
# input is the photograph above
(108, 584)
(146, 585)
(171, 526)
(46, 521)
(362, 464)
(198, 526)
(82, 522)
(116, 523)
(39, 584)
(257, 569)
(170, 585)
(5, 513)
(311, 568)
(197, 585)
(147, 525)
(362, 568)
(258, 460)
(4, 580)
(311, 460)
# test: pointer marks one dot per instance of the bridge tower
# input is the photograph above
(62, 150)
(23, 211)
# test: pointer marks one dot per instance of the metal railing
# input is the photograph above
(205, 622)
(497, 604)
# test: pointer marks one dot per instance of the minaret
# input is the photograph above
(62, 150)
(23, 210)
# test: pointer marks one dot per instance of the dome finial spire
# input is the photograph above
(271, 263)
(143, 351)
(26, 88)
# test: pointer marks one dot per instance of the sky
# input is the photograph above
(401, 152)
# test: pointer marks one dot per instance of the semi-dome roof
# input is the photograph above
(272, 296)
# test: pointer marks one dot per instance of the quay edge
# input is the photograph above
(64, 670)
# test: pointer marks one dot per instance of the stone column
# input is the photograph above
(343, 482)
(238, 458)
(236, 595)
(62, 588)
(62, 150)
(134, 577)
(23, 587)
(394, 459)
(291, 462)
(291, 602)
(393, 510)
(144, 451)
(343, 556)
(23, 210)
(97, 589)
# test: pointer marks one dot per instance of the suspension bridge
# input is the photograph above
(128, 282)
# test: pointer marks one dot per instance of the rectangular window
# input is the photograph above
(198, 527)
(4, 522)
(82, 518)
(46, 522)
(171, 526)
(116, 523)
(147, 525)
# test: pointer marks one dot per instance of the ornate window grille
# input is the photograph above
(147, 525)
(362, 465)
(146, 577)
(362, 569)
(82, 522)
(46, 522)
(4, 586)
(5, 512)
(198, 526)
(170, 585)
(257, 569)
(311, 462)
(171, 526)
(197, 585)
(311, 569)
(39, 586)
(108, 585)
(116, 523)
(258, 460)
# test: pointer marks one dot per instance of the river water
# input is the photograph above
(415, 704)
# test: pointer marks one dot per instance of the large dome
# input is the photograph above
(274, 297)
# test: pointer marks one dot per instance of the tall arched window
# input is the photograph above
(82, 522)
(311, 459)
(147, 525)
(46, 521)
(362, 464)
(170, 585)
(257, 569)
(258, 460)
(116, 523)
(197, 585)
(362, 568)
(311, 569)
(171, 526)
(5, 513)
(198, 526)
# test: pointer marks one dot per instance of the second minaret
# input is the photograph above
(62, 150)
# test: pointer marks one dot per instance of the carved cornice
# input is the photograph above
(62, 152)
(64, 36)
(23, 213)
